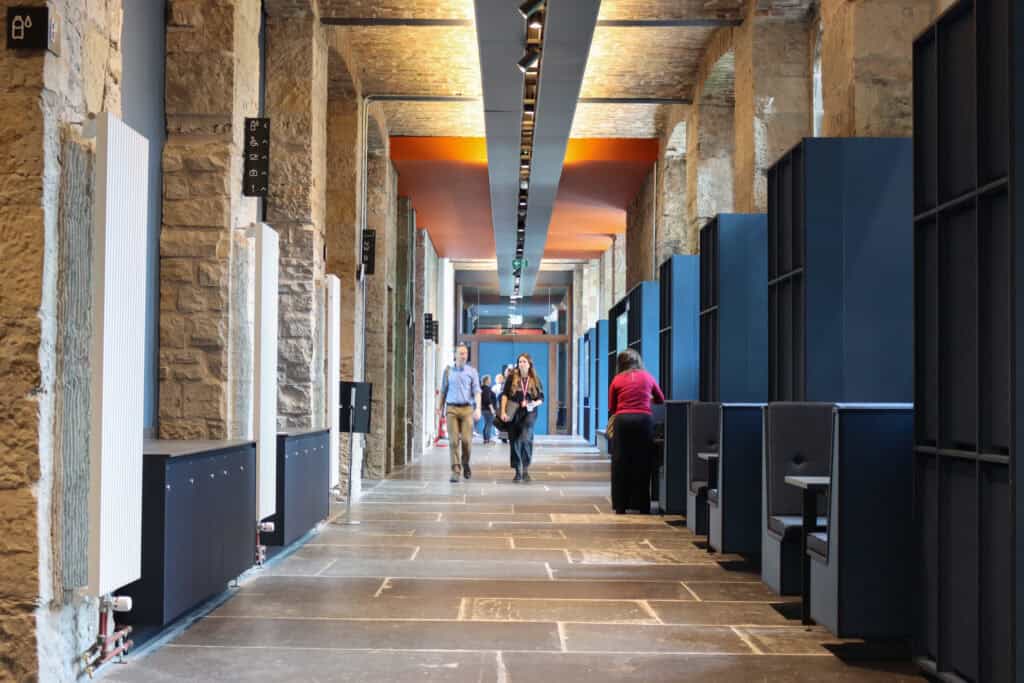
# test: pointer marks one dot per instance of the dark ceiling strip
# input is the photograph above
(423, 98)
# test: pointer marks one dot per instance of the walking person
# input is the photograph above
(629, 402)
(488, 406)
(460, 403)
(523, 389)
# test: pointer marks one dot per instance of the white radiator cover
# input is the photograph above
(333, 371)
(117, 356)
(265, 370)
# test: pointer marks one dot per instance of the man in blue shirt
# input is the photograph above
(460, 399)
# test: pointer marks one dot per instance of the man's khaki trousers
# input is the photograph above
(460, 432)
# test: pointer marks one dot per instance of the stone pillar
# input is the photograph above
(618, 270)
(344, 201)
(424, 352)
(589, 299)
(672, 224)
(296, 208)
(773, 103)
(867, 65)
(607, 270)
(211, 85)
(404, 236)
(709, 171)
(381, 206)
(640, 226)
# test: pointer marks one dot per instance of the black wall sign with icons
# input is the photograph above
(30, 28)
(428, 326)
(256, 166)
(369, 253)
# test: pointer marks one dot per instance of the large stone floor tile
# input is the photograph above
(732, 591)
(719, 613)
(552, 557)
(591, 590)
(372, 634)
(671, 638)
(653, 572)
(230, 664)
(419, 568)
(654, 668)
(549, 609)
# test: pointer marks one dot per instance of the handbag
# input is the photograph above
(512, 409)
(610, 429)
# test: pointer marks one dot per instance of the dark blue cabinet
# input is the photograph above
(198, 525)
(734, 308)
(303, 488)
(635, 323)
(679, 334)
(599, 379)
(840, 256)
(968, 310)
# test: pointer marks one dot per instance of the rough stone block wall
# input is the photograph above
(867, 66)
(423, 360)
(773, 101)
(640, 226)
(590, 296)
(44, 99)
(212, 83)
(404, 236)
(671, 226)
(381, 208)
(297, 105)
(619, 270)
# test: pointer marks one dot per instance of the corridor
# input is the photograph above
(488, 580)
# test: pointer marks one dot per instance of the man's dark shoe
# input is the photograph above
(518, 477)
(467, 472)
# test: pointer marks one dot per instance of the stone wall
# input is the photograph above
(773, 100)
(296, 208)
(404, 236)
(867, 66)
(619, 270)
(640, 227)
(424, 352)
(209, 91)
(45, 99)
(381, 217)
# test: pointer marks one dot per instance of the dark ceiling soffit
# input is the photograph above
(609, 23)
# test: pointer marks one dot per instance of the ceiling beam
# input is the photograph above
(582, 100)
(712, 22)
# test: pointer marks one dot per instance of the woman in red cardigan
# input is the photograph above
(629, 401)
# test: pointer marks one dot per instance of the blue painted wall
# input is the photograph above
(142, 100)
(493, 356)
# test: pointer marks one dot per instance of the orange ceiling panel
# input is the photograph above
(446, 178)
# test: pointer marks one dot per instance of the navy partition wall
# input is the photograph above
(679, 348)
(840, 257)
(641, 326)
(734, 309)
(581, 385)
(500, 354)
(599, 379)
(968, 311)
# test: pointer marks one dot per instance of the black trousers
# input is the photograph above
(632, 456)
(520, 441)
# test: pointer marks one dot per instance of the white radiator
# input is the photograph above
(333, 370)
(117, 356)
(265, 370)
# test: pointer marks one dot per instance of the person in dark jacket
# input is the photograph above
(629, 401)
(488, 407)
(524, 388)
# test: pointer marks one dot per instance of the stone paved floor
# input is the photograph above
(493, 581)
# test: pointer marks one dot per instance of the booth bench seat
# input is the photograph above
(788, 527)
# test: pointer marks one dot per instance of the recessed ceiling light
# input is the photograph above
(529, 61)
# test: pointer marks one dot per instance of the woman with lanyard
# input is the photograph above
(524, 390)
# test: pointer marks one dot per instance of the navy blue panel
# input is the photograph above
(740, 479)
(743, 307)
(590, 419)
(683, 309)
(599, 392)
(875, 481)
(1017, 416)
(858, 269)
(500, 354)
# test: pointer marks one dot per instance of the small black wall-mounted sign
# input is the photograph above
(256, 164)
(437, 330)
(32, 28)
(428, 326)
(369, 253)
